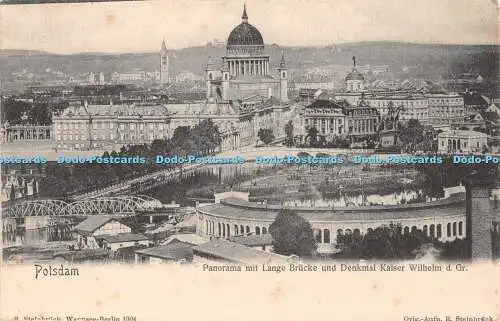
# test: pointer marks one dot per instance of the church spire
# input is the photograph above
(282, 62)
(354, 62)
(244, 16)
(163, 49)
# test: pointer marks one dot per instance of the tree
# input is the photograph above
(292, 234)
(39, 114)
(412, 133)
(12, 192)
(25, 188)
(266, 135)
(456, 250)
(13, 110)
(312, 134)
(289, 134)
(384, 242)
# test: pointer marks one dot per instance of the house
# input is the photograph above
(465, 141)
(470, 122)
(493, 109)
(220, 250)
(127, 254)
(174, 252)
(116, 241)
(85, 255)
(97, 231)
(475, 102)
(186, 238)
(263, 242)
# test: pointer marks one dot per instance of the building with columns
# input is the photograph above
(245, 74)
(333, 118)
(436, 109)
(17, 133)
(233, 215)
(242, 97)
(461, 141)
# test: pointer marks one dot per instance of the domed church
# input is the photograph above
(245, 75)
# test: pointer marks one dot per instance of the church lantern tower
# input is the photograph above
(163, 64)
(354, 81)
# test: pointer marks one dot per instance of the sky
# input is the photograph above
(120, 27)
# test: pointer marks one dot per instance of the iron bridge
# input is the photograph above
(115, 205)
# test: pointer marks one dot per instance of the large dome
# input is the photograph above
(245, 34)
(354, 75)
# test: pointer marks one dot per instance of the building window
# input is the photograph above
(326, 235)
(318, 236)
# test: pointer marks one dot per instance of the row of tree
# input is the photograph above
(63, 180)
(16, 111)
(293, 235)
(411, 135)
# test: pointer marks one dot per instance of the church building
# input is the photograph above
(243, 95)
(245, 74)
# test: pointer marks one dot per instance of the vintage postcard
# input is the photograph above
(281, 160)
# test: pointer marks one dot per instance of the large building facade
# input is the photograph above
(436, 109)
(341, 119)
(245, 74)
(242, 97)
(233, 215)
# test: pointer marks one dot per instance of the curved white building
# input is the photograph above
(232, 215)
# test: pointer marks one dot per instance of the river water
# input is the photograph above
(216, 178)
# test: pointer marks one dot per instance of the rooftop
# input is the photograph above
(462, 133)
(238, 209)
(325, 104)
(186, 238)
(85, 254)
(177, 250)
(122, 237)
(236, 253)
(116, 110)
(253, 240)
(92, 223)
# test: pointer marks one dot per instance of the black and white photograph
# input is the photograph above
(258, 136)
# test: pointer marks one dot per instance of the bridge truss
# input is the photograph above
(116, 205)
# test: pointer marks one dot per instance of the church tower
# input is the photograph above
(283, 71)
(163, 64)
(354, 81)
(225, 83)
(209, 77)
